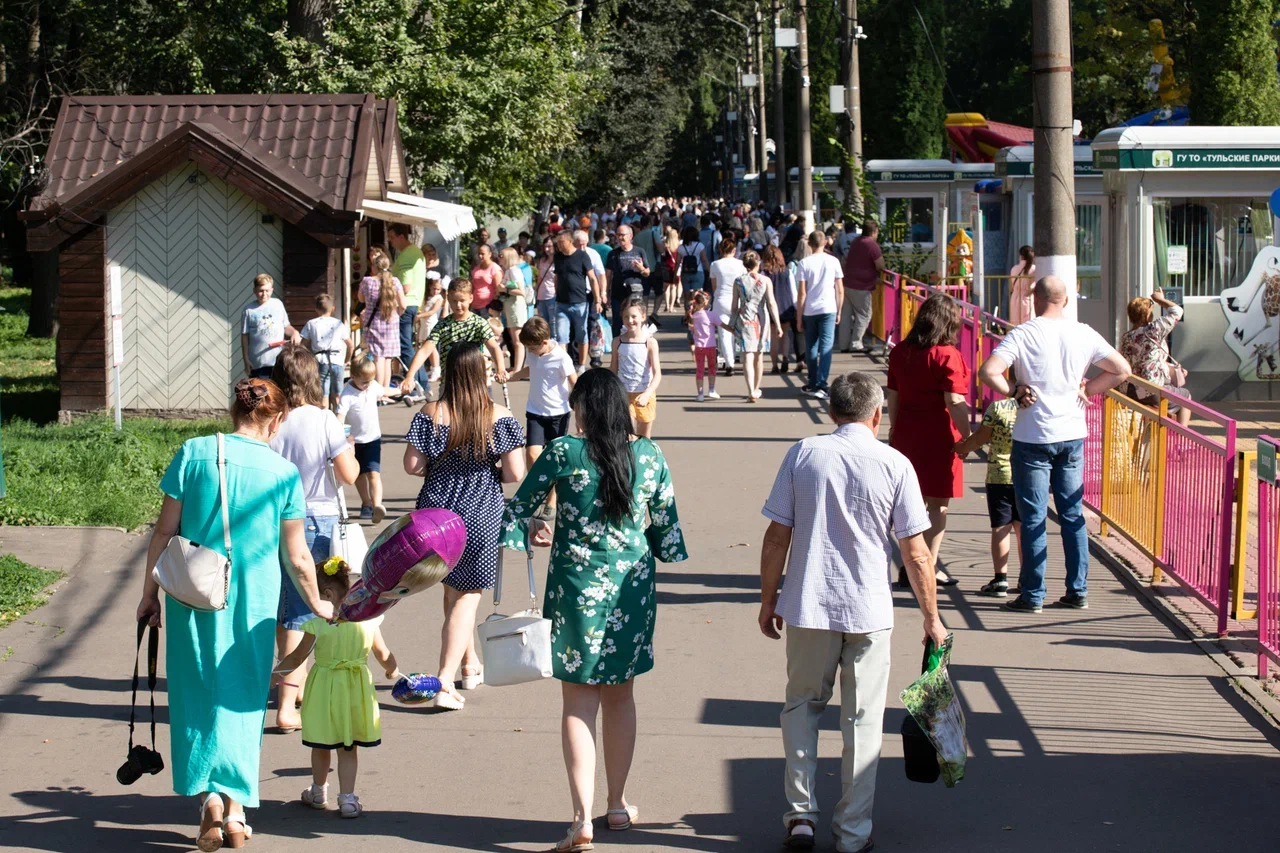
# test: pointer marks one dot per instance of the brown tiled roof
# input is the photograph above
(315, 140)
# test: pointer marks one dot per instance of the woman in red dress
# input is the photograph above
(928, 412)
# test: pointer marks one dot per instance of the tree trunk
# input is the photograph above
(43, 320)
(307, 19)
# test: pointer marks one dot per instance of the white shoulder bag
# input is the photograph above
(197, 576)
(347, 541)
(516, 648)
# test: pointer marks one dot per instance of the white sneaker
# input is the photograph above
(713, 395)
(448, 701)
(701, 397)
(757, 394)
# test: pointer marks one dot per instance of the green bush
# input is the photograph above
(89, 474)
(21, 587)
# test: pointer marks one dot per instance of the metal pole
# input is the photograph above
(737, 125)
(853, 100)
(115, 373)
(761, 123)
(1055, 197)
(780, 118)
(748, 104)
(804, 204)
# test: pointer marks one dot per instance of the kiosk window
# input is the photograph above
(910, 220)
(1221, 237)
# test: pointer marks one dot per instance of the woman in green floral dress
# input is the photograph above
(616, 512)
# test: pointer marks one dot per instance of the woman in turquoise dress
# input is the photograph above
(218, 664)
(616, 512)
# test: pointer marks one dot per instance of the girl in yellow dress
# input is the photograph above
(340, 707)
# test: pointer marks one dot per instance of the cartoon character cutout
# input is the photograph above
(1251, 310)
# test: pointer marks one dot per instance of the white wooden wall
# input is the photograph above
(188, 246)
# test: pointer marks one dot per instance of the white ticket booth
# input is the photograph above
(1014, 166)
(914, 201)
(1191, 216)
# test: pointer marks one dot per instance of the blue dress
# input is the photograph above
(469, 487)
(218, 665)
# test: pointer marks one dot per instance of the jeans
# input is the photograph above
(819, 337)
(547, 310)
(855, 317)
(293, 611)
(406, 347)
(1039, 469)
(692, 281)
(571, 323)
(331, 375)
(813, 657)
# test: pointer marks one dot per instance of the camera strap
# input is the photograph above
(153, 649)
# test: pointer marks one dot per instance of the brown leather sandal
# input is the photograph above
(209, 838)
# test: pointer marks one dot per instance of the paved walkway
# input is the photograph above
(1097, 730)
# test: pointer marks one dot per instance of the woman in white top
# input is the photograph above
(724, 273)
(515, 304)
(1022, 279)
(310, 438)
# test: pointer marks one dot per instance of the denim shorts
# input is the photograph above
(571, 322)
(331, 377)
(293, 611)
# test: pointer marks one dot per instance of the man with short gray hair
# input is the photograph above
(836, 504)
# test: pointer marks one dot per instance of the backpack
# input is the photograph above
(689, 263)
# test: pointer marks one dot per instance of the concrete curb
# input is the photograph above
(1246, 684)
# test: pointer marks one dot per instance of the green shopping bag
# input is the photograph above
(932, 702)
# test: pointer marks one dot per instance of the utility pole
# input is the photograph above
(849, 35)
(780, 120)
(1054, 167)
(761, 123)
(804, 203)
(748, 107)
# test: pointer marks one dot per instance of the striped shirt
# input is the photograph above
(846, 497)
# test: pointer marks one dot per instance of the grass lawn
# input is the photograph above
(89, 474)
(21, 587)
(28, 375)
(85, 473)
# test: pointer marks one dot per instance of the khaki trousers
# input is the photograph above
(813, 656)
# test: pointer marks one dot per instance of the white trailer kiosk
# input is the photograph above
(1190, 215)
(914, 203)
(1014, 167)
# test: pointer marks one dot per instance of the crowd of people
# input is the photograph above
(736, 282)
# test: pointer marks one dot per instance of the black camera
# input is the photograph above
(141, 760)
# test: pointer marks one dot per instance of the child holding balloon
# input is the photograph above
(340, 706)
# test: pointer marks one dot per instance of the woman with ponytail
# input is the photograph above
(383, 299)
(616, 514)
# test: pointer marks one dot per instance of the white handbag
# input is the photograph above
(348, 540)
(197, 576)
(515, 648)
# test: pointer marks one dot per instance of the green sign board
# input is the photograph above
(1267, 462)
(1021, 169)
(935, 175)
(1188, 158)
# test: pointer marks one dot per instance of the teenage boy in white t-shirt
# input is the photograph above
(330, 340)
(358, 407)
(551, 374)
(1050, 355)
(820, 298)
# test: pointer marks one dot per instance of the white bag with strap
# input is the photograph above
(516, 648)
(348, 541)
(197, 576)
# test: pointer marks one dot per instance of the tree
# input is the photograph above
(1233, 73)
(904, 86)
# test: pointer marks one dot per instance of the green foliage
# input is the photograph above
(87, 473)
(28, 375)
(988, 55)
(21, 589)
(489, 91)
(1234, 79)
(904, 97)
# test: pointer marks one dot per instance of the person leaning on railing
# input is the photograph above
(1146, 347)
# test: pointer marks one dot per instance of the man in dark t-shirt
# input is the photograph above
(625, 271)
(863, 263)
(577, 290)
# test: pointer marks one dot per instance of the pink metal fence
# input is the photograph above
(1093, 453)
(1268, 576)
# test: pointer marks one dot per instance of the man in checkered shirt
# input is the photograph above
(836, 505)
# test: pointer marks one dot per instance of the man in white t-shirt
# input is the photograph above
(820, 297)
(724, 273)
(1050, 355)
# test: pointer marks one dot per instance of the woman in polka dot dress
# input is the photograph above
(455, 444)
